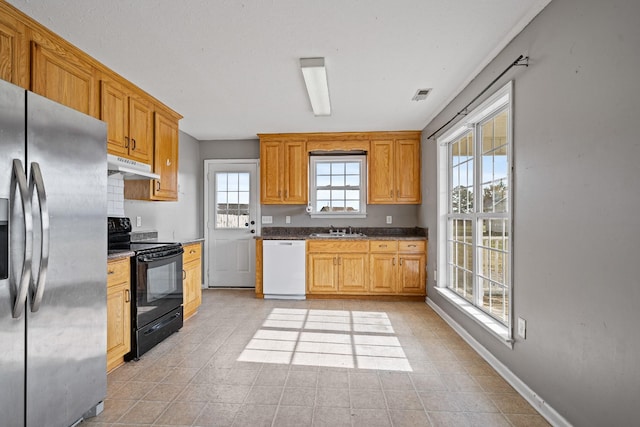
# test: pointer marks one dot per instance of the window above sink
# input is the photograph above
(337, 186)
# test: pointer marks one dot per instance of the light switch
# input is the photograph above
(138, 221)
(389, 219)
(287, 219)
(267, 219)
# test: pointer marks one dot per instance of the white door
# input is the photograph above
(231, 222)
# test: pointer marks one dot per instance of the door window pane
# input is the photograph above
(232, 199)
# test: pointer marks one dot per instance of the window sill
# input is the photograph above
(490, 324)
(335, 215)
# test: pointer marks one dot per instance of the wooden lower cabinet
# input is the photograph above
(192, 279)
(398, 267)
(118, 311)
(383, 273)
(337, 267)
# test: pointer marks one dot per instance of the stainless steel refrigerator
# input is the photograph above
(53, 246)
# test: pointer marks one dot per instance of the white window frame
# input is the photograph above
(362, 159)
(497, 102)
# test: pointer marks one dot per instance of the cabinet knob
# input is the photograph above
(127, 295)
(134, 144)
(168, 162)
(157, 185)
(184, 275)
(126, 142)
(110, 272)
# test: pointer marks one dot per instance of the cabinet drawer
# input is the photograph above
(118, 271)
(333, 246)
(191, 252)
(412, 246)
(384, 246)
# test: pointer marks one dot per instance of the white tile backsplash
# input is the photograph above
(115, 196)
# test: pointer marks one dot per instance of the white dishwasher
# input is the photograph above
(283, 269)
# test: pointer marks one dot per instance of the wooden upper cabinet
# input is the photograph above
(283, 171)
(64, 78)
(295, 172)
(13, 52)
(381, 172)
(271, 171)
(165, 163)
(394, 171)
(114, 111)
(166, 158)
(129, 122)
(407, 177)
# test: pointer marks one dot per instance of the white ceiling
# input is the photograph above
(231, 67)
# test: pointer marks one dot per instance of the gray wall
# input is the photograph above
(181, 219)
(403, 216)
(576, 209)
(230, 149)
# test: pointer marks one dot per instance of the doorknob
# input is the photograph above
(253, 231)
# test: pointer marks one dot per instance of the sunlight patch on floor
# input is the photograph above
(329, 338)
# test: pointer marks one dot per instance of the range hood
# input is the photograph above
(129, 169)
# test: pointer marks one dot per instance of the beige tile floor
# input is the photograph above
(247, 362)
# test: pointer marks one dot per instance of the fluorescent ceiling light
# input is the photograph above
(315, 78)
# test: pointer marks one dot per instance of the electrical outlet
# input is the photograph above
(138, 221)
(287, 219)
(522, 328)
(267, 219)
(389, 219)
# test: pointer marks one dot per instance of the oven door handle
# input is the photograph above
(144, 258)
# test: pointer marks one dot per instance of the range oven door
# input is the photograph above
(158, 285)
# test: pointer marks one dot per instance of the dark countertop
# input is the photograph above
(371, 233)
(119, 253)
(154, 236)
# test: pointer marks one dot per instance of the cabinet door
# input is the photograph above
(407, 177)
(271, 172)
(412, 274)
(114, 110)
(140, 130)
(166, 158)
(12, 52)
(192, 288)
(63, 79)
(383, 273)
(295, 172)
(381, 172)
(118, 323)
(322, 273)
(353, 273)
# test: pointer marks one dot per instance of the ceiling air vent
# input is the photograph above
(421, 95)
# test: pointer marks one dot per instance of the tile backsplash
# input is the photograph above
(115, 196)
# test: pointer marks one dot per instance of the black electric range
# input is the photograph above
(156, 280)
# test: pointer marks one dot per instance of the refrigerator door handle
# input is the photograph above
(36, 183)
(19, 182)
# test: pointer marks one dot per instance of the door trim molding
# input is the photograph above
(205, 219)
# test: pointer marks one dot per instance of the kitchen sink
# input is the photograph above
(338, 235)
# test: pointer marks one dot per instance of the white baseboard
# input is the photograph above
(545, 410)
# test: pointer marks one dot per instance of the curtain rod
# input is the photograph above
(520, 61)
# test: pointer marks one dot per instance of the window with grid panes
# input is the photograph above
(478, 218)
(337, 185)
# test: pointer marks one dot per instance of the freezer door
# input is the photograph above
(12, 146)
(66, 336)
